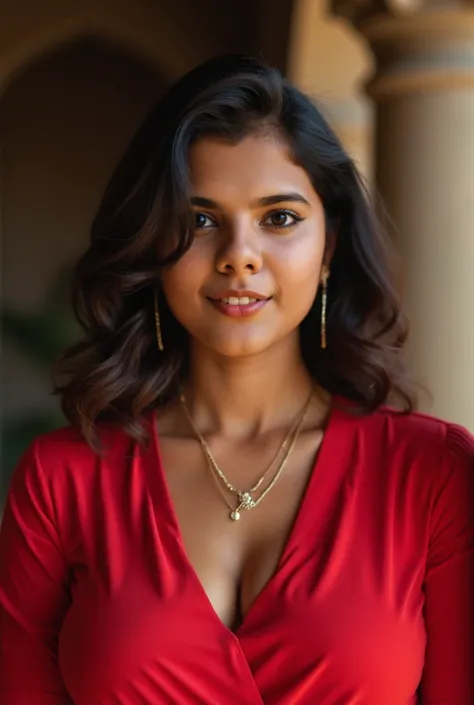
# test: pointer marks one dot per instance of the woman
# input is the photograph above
(236, 515)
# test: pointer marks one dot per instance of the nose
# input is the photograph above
(239, 252)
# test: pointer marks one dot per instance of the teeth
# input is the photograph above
(236, 301)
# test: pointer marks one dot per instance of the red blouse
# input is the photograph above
(371, 604)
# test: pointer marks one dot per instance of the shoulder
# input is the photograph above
(426, 461)
(423, 431)
(435, 458)
(63, 456)
(67, 445)
(419, 433)
(61, 476)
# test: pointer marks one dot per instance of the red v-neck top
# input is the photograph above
(371, 603)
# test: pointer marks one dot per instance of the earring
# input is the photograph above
(324, 305)
(159, 337)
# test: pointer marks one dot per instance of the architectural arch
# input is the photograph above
(149, 31)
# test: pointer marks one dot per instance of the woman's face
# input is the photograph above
(259, 234)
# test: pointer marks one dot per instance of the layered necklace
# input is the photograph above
(246, 499)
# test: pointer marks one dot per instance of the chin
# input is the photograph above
(238, 345)
(239, 351)
(235, 346)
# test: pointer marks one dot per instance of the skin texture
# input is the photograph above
(247, 381)
(242, 244)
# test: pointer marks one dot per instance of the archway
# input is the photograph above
(64, 122)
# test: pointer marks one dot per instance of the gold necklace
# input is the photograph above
(213, 462)
(245, 498)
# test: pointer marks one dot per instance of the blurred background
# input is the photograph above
(395, 79)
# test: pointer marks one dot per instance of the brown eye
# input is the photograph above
(279, 219)
(282, 219)
(201, 220)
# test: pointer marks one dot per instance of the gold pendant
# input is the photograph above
(246, 500)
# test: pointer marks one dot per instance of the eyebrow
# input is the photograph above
(290, 197)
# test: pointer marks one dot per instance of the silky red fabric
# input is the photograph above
(371, 604)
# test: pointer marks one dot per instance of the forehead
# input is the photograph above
(256, 166)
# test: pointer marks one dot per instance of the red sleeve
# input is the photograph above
(448, 676)
(33, 591)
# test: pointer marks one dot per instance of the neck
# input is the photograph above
(248, 396)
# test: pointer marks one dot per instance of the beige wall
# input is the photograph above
(63, 124)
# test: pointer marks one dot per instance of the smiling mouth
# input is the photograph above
(238, 307)
(238, 301)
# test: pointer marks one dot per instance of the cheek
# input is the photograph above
(183, 280)
(299, 272)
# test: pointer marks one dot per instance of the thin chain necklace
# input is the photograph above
(214, 464)
(245, 497)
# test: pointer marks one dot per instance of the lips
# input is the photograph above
(239, 304)
(238, 294)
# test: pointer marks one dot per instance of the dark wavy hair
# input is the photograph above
(116, 372)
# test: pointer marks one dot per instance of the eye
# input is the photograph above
(282, 218)
(201, 221)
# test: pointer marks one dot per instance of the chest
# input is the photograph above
(235, 560)
(320, 589)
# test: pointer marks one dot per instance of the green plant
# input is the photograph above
(39, 337)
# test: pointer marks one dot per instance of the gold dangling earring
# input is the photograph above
(324, 305)
(159, 337)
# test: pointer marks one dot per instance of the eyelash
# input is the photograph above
(285, 211)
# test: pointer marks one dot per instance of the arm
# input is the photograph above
(448, 677)
(33, 591)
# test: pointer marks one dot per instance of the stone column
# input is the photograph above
(423, 89)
